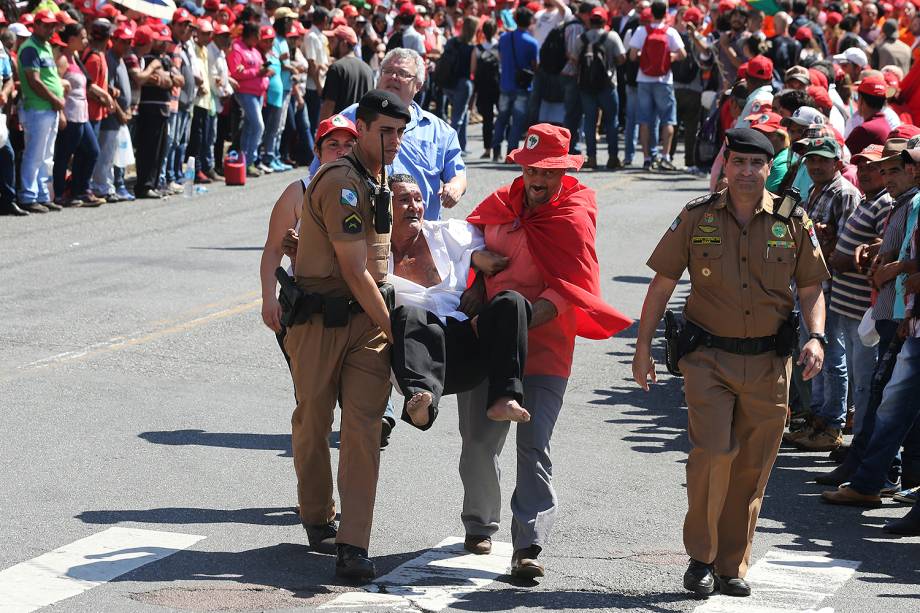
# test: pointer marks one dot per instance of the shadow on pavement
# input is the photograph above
(230, 440)
(568, 600)
(265, 516)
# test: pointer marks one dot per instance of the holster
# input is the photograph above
(682, 337)
(296, 304)
(787, 338)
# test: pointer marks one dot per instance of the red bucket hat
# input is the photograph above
(546, 146)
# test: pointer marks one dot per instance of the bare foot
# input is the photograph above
(507, 409)
(417, 408)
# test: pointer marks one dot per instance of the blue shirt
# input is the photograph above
(430, 152)
(903, 255)
(6, 68)
(274, 96)
(280, 47)
(525, 49)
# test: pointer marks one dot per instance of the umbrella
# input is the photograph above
(161, 9)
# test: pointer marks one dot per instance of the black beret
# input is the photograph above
(748, 140)
(385, 103)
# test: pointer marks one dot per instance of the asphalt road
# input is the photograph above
(139, 389)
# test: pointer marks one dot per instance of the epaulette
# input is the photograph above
(702, 200)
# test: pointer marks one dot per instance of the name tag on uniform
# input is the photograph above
(781, 244)
(707, 240)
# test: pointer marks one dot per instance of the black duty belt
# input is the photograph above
(740, 346)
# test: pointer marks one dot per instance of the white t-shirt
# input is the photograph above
(314, 48)
(856, 120)
(452, 243)
(675, 43)
(545, 20)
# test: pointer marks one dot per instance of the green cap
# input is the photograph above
(824, 147)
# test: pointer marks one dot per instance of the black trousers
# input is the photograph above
(150, 142)
(443, 359)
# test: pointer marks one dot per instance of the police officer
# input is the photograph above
(743, 251)
(338, 342)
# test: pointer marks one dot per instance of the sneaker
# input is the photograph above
(52, 206)
(279, 166)
(590, 162)
(890, 488)
(92, 200)
(253, 171)
(68, 203)
(627, 162)
(33, 207)
(175, 188)
(151, 194)
(695, 171)
(113, 198)
(201, 178)
(908, 496)
(124, 194)
(825, 439)
(665, 164)
(647, 165)
(265, 168)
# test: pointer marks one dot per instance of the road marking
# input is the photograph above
(84, 564)
(431, 582)
(123, 342)
(788, 583)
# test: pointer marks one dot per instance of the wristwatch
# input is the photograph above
(820, 336)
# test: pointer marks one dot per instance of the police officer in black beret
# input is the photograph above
(743, 248)
(339, 334)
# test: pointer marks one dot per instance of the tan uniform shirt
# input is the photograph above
(337, 206)
(739, 275)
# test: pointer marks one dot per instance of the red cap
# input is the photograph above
(349, 11)
(760, 67)
(421, 22)
(600, 13)
(768, 122)
(873, 86)
(27, 19)
(817, 78)
(64, 18)
(345, 33)
(182, 16)
(821, 96)
(204, 25)
(872, 153)
(804, 33)
(336, 122)
(905, 130)
(833, 18)
(296, 29)
(645, 17)
(266, 32)
(108, 11)
(534, 6)
(693, 15)
(407, 9)
(222, 28)
(124, 32)
(726, 5)
(741, 73)
(56, 40)
(44, 16)
(546, 146)
(211, 5)
(143, 36)
(339, 20)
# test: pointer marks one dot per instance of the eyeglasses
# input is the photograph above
(400, 75)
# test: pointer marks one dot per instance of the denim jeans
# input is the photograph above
(631, 134)
(271, 134)
(303, 141)
(459, 97)
(512, 115)
(103, 182)
(313, 102)
(77, 140)
(656, 102)
(201, 139)
(175, 153)
(7, 175)
(252, 128)
(845, 355)
(573, 111)
(895, 417)
(607, 102)
(40, 131)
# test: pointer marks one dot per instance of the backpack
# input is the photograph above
(553, 57)
(488, 72)
(593, 74)
(708, 142)
(687, 69)
(445, 70)
(655, 57)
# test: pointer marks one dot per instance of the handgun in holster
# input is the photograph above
(290, 297)
(682, 337)
(787, 338)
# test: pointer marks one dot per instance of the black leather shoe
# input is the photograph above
(34, 208)
(11, 208)
(322, 537)
(836, 477)
(733, 586)
(909, 525)
(478, 544)
(699, 578)
(524, 564)
(385, 430)
(352, 563)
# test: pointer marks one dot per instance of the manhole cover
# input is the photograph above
(233, 598)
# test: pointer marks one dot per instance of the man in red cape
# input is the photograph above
(545, 223)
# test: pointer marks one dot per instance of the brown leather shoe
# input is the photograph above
(826, 439)
(524, 564)
(850, 497)
(480, 545)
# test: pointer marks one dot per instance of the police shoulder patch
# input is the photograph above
(696, 202)
(348, 197)
(352, 224)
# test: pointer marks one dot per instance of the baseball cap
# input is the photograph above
(821, 96)
(726, 5)
(20, 30)
(27, 19)
(181, 15)
(767, 123)
(347, 10)
(266, 32)
(822, 147)
(204, 25)
(833, 18)
(336, 122)
(407, 9)
(101, 28)
(345, 33)
(805, 116)
(905, 130)
(599, 14)
(804, 33)
(872, 153)
(798, 73)
(873, 85)
(817, 78)
(284, 13)
(124, 32)
(853, 55)
(296, 29)
(56, 40)
(211, 5)
(46, 16)
(222, 28)
(108, 11)
(760, 67)
(64, 18)
(693, 15)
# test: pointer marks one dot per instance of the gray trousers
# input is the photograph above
(533, 504)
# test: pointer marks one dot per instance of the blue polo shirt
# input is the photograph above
(430, 152)
(524, 48)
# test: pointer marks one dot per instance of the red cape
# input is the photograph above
(561, 240)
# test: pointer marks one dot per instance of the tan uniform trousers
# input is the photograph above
(350, 364)
(737, 413)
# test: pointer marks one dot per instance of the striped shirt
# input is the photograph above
(892, 239)
(851, 292)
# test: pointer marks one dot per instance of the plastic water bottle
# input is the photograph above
(189, 184)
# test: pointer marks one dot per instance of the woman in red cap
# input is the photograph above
(545, 223)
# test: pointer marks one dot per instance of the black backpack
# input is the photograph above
(687, 69)
(553, 57)
(594, 74)
(445, 70)
(488, 73)
(708, 140)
